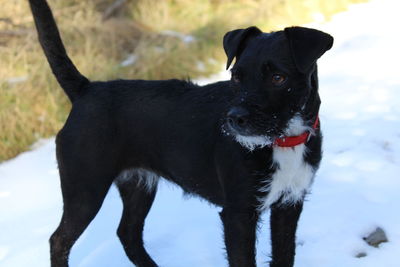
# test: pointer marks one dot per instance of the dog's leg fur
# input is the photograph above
(85, 180)
(81, 204)
(137, 202)
(283, 221)
(240, 236)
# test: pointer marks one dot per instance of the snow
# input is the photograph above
(356, 188)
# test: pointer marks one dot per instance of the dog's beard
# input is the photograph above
(253, 142)
(249, 141)
(295, 126)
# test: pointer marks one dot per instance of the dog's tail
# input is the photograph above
(70, 79)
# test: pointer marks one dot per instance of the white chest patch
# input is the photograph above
(292, 178)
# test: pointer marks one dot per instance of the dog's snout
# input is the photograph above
(238, 117)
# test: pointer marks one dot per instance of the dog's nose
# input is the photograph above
(238, 117)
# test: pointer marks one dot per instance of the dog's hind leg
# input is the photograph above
(83, 193)
(137, 200)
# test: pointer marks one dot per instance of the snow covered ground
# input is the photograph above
(356, 189)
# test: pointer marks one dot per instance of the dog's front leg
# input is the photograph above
(240, 236)
(284, 218)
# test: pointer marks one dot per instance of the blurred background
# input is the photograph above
(132, 39)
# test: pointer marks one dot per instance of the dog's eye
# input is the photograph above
(278, 79)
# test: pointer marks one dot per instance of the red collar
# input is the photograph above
(291, 141)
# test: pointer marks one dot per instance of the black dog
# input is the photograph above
(246, 145)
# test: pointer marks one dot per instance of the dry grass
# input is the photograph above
(32, 105)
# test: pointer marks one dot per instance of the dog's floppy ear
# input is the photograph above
(307, 45)
(235, 41)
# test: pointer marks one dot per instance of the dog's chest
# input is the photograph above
(291, 179)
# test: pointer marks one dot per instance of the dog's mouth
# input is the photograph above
(253, 136)
(248, 137)
(239, 121)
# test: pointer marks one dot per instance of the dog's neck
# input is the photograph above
(292, 141)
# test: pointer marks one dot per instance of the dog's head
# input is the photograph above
(275, 82)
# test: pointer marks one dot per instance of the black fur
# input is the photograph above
(176, 129)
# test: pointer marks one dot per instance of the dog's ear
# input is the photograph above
(235, 41)
(307, 45)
